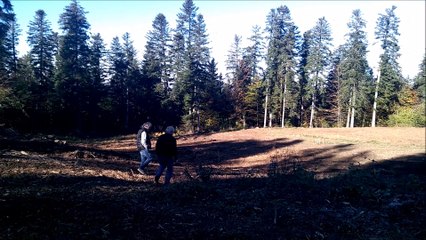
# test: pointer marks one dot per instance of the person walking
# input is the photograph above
(143, 143)
(166, 149)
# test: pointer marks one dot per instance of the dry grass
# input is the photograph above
(248, 184)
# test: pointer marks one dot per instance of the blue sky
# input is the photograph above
(224, 19)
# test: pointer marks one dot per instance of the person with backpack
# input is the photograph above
(166, 149)
(143, 143)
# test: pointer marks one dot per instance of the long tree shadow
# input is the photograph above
(49, 146)
(214, 152)
(355, 198)
(296, 205)
(324, 161)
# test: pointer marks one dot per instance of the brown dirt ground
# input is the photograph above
(324, 151)
(58, 188)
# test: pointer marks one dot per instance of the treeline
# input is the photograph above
(70, 82)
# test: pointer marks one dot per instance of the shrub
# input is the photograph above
(408, 116)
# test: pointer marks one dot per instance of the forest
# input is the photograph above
(273, 149)
(69, 82)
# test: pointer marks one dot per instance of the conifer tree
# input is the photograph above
(7, 18)
(97, 73)
(43, 47)
(72, 75)
(318, 62)
(43, 42)
(117, 84)
(12, 41)
(213, 107)
(156, 69)
(332, 105)
(281, 60)
(355, 69)
(253, 54)
(389, 80)
(156, 63)
(132, 81)
(235, 55)
(303, 74)
(190, 56)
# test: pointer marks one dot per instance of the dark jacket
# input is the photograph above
(166, 146)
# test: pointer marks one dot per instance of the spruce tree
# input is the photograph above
(332, 105)
(355, 69)
(389, 80)
(303, 97)
(132, 81)
(42, 41)
(12, 41)
(157, 70)
(43, 47)
(235, 55)
(117, 84)
(7, 17)
(156, 63)
(318, 62)
(253, 54)
(72, 75)
(281, 60)
(97, 73)
(190, 57)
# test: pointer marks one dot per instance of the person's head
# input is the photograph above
(170, 130)
(147, 125)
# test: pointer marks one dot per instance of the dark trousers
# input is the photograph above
(165, 163)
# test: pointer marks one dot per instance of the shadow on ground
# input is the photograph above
(283, 199)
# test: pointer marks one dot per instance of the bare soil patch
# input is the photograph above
(250, 184)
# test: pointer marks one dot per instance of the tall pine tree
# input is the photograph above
(72, 75)
(190, 58)
(389, 80)
(156, 68)
(318, 62)
(355, 69)
(7, 18)
(281, 61)
(43, 46)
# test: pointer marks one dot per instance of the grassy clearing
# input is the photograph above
(249, 184)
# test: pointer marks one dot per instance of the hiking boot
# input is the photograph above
(141, 171)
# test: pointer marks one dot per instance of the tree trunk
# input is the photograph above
(349, 113)
(313, 101)
(312, 112)
(270, 120)
(339, 107)
(353, 109)
(376, 93)
(126, 117)
(266, 111)
(339, 113)
(283, 115)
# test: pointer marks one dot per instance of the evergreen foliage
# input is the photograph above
(387, 32)
(72, 76)
(71, 82)
(318, 63)
(356, 74)
(283, 40)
